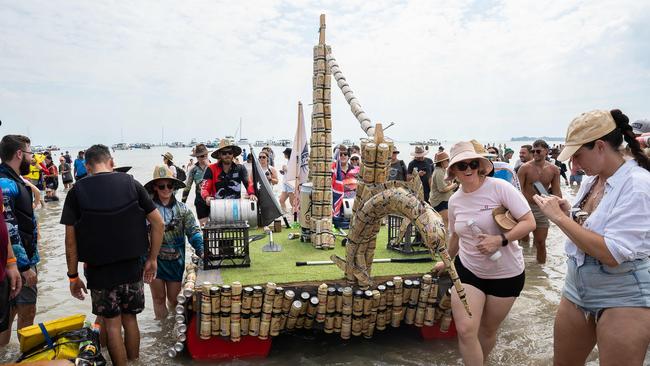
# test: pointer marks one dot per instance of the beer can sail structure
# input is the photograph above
(321, 147)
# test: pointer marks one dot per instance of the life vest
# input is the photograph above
(23, 210)
(112, 226)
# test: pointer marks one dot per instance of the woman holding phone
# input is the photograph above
(606, 295)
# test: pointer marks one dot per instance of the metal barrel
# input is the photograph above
(228, 211)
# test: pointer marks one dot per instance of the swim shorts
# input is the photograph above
(27, 295)
(540, 218)
(499, 287)
(444, 205)
(202, 209)
(127, 298)
(287, 188)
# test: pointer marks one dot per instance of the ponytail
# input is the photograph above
(623, 125)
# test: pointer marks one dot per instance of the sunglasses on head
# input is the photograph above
(168, 186)
(537, 151)
(462, 166)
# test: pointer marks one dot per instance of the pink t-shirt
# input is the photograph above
(478, 205)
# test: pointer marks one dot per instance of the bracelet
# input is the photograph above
(74, 275)
(73, 280)
(11, 260)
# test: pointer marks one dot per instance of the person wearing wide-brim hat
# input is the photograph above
(605, 297)
(422, 167)
(492, 283)
(226, 146)
(224, 179)
(168, 160)
(160, 173)
(441, 189)
(179, 225)
(195, 177)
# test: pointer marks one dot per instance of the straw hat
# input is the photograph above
(464, 150)
(504, 218)
(225, 145)
(419, 152)
(168, 156)
(199, 150)
(162, 172)
(587, 127)
(441, 156)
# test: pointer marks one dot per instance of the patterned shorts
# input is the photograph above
(127, 298)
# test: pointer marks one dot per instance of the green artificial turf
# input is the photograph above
(280, 267)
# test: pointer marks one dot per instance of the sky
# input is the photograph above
(81, 72)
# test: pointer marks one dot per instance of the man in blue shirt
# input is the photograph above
(80, 166)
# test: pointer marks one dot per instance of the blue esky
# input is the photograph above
(73, 72)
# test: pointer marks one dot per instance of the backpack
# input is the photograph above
(180, 174)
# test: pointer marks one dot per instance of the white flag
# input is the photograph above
(298, 167)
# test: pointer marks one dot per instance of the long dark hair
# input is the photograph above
(622, 131)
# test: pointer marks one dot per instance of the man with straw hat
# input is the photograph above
(421, 167)
(195, 175)
(179, 225)
(224, 179)
(105, 217)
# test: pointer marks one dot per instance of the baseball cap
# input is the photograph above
(587, 127)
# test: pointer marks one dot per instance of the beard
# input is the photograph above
(24, 167)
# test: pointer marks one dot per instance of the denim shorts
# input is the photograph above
(594, 287)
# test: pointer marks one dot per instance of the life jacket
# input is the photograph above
(112, 226)
(23, 211)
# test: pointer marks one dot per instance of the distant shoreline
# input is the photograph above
(529, 138)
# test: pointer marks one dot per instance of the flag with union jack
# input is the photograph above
(337, 189)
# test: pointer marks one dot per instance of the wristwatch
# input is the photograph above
(504, 241)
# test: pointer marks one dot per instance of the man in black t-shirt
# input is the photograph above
(105, 216)
(424, 169)
(397, 169)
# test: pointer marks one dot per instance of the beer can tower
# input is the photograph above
(321, 147)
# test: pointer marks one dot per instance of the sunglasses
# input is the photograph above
(343, 154)
(261, 157)
(537, 151)
(462, 166)
(226, 152)
(163, 186)
(355, 158)
(202, 156)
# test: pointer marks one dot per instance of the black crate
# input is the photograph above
(226, 245)
(411, 243)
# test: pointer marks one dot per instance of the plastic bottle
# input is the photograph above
(476, 231)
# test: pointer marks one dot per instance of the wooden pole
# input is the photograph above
(321, 30)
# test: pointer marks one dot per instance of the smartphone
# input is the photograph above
(539, 187)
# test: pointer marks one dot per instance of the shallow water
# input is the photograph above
(525, 337)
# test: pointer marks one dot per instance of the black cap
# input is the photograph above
(287, 151)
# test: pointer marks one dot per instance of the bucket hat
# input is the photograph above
(441, 156)
(587, 127)
(226, 145)
(419, 152)
(162, 172)
(464, 150)
(199, 150)
(168, 156)
(504, 218)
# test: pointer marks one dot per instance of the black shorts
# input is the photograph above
(444, 205)
(121, 299)
(5, 305)
(202, 209)
(499, 287)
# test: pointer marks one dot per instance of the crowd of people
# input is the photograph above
(127, 234)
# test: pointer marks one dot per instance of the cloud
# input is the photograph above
(439, 69)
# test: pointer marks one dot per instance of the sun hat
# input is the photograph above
(168, 156)
(287, 151)
(441, 156)
(199, 150)
(641, 126)
(419, 152)
(224, 145)
(163, 172)
(587, 127)
(508, 150)
(504, 218)
(355, 155)
(478, 147)
(464, 150)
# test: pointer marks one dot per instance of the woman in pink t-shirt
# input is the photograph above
(492, 284)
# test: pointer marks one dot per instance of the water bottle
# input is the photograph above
(476, 231)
